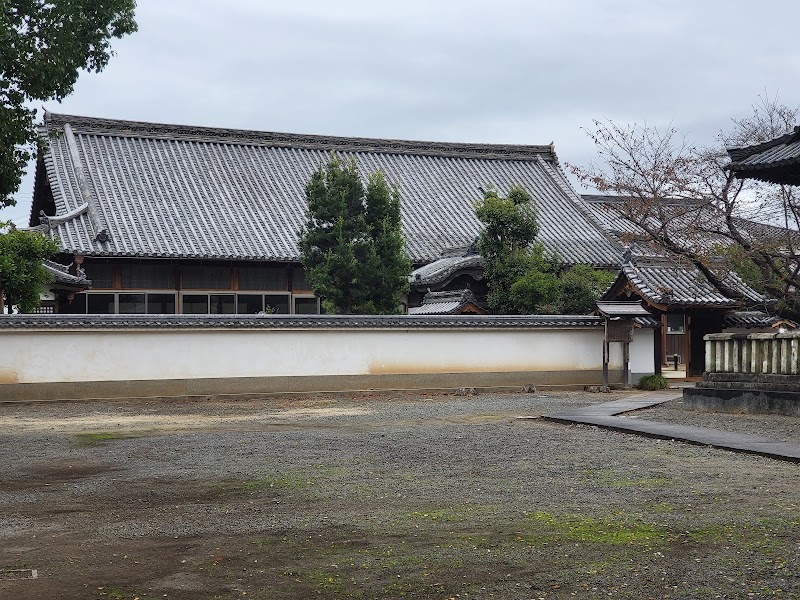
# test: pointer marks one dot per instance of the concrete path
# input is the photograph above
(605, 415)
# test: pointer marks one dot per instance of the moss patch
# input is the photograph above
(548, 527)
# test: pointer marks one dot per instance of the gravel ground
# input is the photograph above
(435, 496)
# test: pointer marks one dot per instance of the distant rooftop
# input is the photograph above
(776, 160)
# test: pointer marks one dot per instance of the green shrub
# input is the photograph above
(653, 382)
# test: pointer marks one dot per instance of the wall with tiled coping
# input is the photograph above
(59, 356)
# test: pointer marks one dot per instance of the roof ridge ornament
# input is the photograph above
(97, 223)
(628, 257)
(50, 221)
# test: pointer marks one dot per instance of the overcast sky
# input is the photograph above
(499, 71)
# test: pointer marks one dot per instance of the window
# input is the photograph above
(249, 304)
(195, 304)
(223, 304)
(124, 304)
(306, 306)
(101, 274)
(207, 277)
(299, 279)
(131, 304)
(675, 324)
(277, 303)
(157, 276)
(101, 304)
(263, 278)
(161, 304)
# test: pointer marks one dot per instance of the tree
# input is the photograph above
(680, 196)
(523, 278)
(352, 246)
(511, 256)
(22, 275)
(581, 287)
(43, 46)
(387, 276)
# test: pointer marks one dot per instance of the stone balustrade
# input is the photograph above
(753, 353)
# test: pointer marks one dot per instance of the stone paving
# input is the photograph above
(606, 416)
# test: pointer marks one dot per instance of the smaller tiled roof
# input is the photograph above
(676, 283)
(62, 276)
(439, 271)
(752, 319)
(445, 303)
(776, 160)
(610, 308)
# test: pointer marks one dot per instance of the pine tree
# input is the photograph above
(352, 247)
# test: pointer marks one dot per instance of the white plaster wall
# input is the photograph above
(641, 352)
(38, 356)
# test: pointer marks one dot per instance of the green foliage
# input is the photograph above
(511, 256)
(538, 291)
(581, 286)
(352, 246)
(522, 278)
(387, 276)
(22, 275)
(653, 382)
(43, 46)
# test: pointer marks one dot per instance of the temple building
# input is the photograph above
(175, 219)
(180, 219)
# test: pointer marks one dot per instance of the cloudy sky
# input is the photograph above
(502, 71)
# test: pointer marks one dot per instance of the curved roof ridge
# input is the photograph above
(738, 153)
(124, 128)
(96, 220)
(50, 221)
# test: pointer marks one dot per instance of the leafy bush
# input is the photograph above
(653, 382)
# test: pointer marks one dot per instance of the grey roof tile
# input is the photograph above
(776, 160)
(695, 225)
(444, 303)
(179, 191)
(673, 283)
(749, 319)
(439, 271)
(62, 276)
(36, 321)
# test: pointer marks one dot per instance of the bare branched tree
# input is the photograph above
(681, 198)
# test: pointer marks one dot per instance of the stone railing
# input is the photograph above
(753, 353)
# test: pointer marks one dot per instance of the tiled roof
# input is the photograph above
(696, 225)
(295, 321)
(749, 319)
(672, 283)
(439, 271)
(444, 303)
(621, 309)
(776, 160)
(62, 276)
(126, 188)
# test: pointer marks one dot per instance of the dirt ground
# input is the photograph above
(384, 497)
